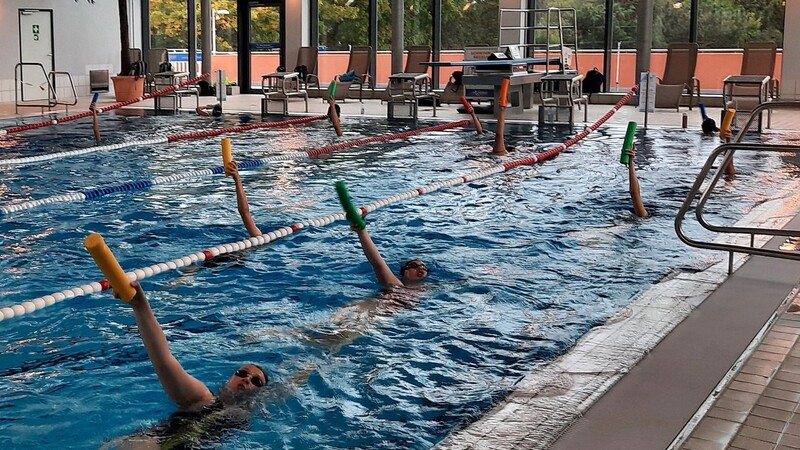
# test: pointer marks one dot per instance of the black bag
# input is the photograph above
(593, 82)
(206, 89)
(302, 71)
(138, 69)
(458, 79)
(165, 67)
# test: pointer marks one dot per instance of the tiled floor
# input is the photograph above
(759, 409)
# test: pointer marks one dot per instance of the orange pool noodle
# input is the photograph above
(727, 120)
(110, 267)
(504, 93)
(227, 153)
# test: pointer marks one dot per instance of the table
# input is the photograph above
(281, 86)
(497, 62)
(409, 88)
(745, 92)
(561, 92)
(520, 89)
(173, 100)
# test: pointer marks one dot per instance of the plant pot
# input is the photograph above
(230, 90)
(128, 87)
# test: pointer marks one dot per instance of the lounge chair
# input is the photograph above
(307, 67)
(678, 76)
(358, 65)
(155, 57)
(415, 57)
(759, 59)
(414, 83)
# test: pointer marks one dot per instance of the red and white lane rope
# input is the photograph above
(78, 196)
(52, 122)
(160, 140)
(258, 241)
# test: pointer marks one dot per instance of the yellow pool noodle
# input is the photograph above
(728, 119)
(227, 152)
(110, 267)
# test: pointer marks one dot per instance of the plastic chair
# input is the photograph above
(155, 57)
(308, 56)
(759, 59)
(359, 63)
(414, 84)
(416, 55)
(678, 76)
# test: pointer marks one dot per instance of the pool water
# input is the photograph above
(522, 265)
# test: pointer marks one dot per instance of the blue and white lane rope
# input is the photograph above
(29, 306)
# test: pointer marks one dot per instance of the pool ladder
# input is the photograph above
(50, 83)
(701, 194)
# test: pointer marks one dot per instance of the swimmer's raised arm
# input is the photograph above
(382, 270)
(241, 200)
(185, 390)
(633, 185)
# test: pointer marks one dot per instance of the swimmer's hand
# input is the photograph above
(355, 228)
(232, 169)
(139, 298)
(725, 135)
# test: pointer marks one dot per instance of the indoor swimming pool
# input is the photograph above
(523, 263)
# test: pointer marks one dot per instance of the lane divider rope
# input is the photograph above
(160, 140)
(79, 196)
(258, 241)
(84, 114)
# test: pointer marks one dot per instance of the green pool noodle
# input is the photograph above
(332, 89)
(351, 212)
(627, 144)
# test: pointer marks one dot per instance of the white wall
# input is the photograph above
(85, 36)
(790, 76)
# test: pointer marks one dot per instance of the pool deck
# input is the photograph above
(699, 361)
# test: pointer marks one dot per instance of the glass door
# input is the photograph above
(267, 43)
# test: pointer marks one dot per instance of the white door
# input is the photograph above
(36, 46)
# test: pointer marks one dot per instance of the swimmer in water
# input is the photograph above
(201, 414)
(355, 319)
(210, 110)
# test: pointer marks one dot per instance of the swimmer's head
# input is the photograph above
(709, 126)
(216, 110)
(248, 378)
(414, 270)
(338, 111)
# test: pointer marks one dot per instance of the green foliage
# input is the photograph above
(721, 23)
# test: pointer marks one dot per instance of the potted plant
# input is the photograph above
(129, 84)
(229, 85)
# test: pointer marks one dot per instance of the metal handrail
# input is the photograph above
(74, 101)
(52, 99)
(727, 151)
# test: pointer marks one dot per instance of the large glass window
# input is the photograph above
(417, 27)
(732, 23)
(343, 23)
(469, 22)
(168, 24)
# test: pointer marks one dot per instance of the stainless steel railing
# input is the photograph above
(49, 83)
(701, 194)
